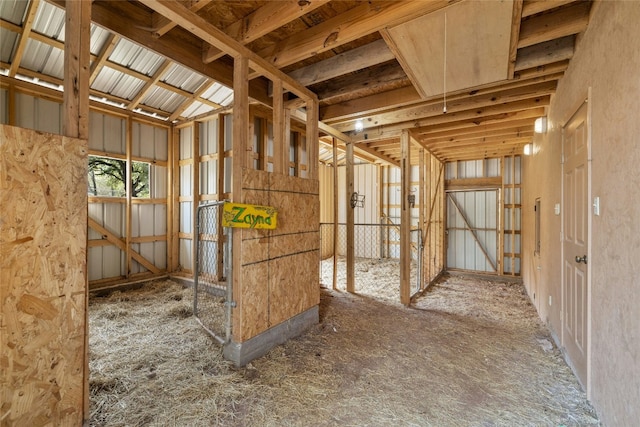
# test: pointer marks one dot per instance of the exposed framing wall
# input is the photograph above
(43, 233)
(140, 253)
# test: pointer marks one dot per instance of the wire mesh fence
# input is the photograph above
(374, 245)
(211, 287)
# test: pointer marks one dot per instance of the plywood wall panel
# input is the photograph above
(255, 299)
(43, 202)
(280, 267)
(291, 291)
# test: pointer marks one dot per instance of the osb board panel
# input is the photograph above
(280, 263)
(293, 286)
(43, 205)
(254, 297)
(477, 46)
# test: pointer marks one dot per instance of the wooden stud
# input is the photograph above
(405, 219)
(336, 221)
(516, 19)
(174, 184)
(312, 139)
(350, 220)
(128, 186)
(240, 144)
(421, 204)
(278, 129)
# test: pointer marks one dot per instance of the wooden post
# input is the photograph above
(350, 221)
(75, 122)
(240, 143)
(77, 60)
(405, 219)
(220, 188)
(195, 192)
(335, 213)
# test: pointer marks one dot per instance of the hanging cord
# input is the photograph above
(444, 74)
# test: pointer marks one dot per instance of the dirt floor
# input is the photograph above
(467, 353)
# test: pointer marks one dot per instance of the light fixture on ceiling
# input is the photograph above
(303, 3)
(359, 126)
(528, 149)
(540, 125)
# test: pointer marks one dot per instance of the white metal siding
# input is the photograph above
(480, 209)
(38, 114)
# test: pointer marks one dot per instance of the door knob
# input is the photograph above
(580, 259)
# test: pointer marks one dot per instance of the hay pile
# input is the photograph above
(468, 353)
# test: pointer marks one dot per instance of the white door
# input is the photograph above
(575, 292)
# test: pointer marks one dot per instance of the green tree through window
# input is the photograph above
(107, 177)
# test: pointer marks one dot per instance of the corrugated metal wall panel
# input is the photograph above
(209, 137)
(158, 180)
(13, 10)
(8, 41)
(480, 208)
(107, 133)
(185, 254)
(38, 114)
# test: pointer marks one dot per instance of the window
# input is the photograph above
(107, 177)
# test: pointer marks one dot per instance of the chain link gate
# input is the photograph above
(212, 291)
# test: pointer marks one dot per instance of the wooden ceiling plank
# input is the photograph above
(214, 36)
(359, 58)
(162, 25)
(545, 53)
(379, 155)
(564, 22)
(531, 7)
(27, 25)
(103, 56)
(346, 27)
(515, 35)
(433, 109)
(149, 84)
(262, 21)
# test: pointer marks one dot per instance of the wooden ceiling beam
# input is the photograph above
(408, 96)
(353, 24)
(472, 130)
(531, 7)
(545, 53)
(356, 59)
(516, 20)
(474, 114)
(457, 104)
(149, 85)
(386, 75)
(479, 137)
(162, 25)
(103, 56)
(214, 36)
(262, 21)
(124, 18)
(564, 22)
(30, 16)
(187, 102)
(498, 119)
(487, 142)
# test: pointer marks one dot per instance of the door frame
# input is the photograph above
(585, 100)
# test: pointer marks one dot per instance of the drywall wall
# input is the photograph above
(606, 63)
(43, 205)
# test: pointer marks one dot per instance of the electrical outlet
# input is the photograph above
(596, 206)
(549, 299)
